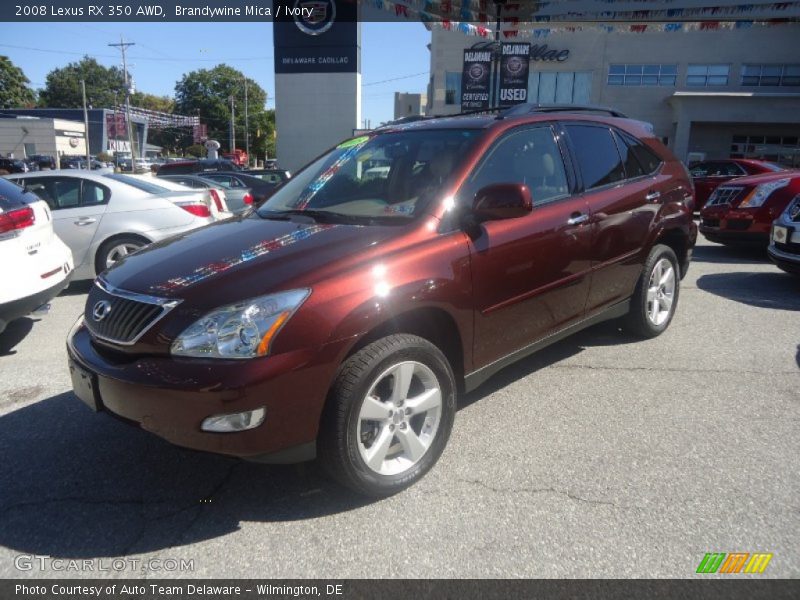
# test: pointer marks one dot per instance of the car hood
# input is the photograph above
(753, 180)
(240, 258)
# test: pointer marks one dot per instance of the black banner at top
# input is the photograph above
(475, 79)
(514, 68)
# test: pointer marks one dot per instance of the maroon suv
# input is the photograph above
(341, 318)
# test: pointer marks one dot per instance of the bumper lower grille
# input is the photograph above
(788, 248)
(711, 222)
(122, 317)
(739, 224)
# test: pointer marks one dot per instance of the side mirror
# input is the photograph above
(502, 201)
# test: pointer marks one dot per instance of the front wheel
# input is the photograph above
(656, 296)
(389, 415)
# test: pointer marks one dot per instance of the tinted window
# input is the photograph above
(597, 155)
(716, 169)
(630, 162)
(648, 159)
(67, 192)
(529, 156)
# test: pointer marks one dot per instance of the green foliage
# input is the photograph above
(196, 150)
(152, 102)
(104, 85)
(207, 92)
(14, 90)
(105, 157)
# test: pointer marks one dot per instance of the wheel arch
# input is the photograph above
(678, 240)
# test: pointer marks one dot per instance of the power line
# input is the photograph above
(395, 79)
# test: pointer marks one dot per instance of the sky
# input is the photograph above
(165, 51)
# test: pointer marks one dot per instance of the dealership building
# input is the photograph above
(708, 93)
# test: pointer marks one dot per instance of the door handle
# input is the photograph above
(85, 221)
(577, 219)
(653, 196)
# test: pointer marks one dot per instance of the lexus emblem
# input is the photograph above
(101, 310)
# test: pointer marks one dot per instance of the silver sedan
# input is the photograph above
(103, 217)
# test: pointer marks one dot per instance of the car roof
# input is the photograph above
(521, 114)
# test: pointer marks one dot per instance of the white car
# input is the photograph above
(35, 265)
(103, 217)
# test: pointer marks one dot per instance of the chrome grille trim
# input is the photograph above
(130, 319)
(724, 195)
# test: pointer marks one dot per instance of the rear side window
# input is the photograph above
(67, 192)
(633, 167)
(649, 160)
(597, 155)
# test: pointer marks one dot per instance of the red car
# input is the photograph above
(742, 212)
(342, 317)
(709, 174)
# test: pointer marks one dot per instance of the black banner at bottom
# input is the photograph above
(400, 589)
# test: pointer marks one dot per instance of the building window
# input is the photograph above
(560, 88)
(771, 75)
(635, 75)
(706, 75)
(452, 87)
(784, 150)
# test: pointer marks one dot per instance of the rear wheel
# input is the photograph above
(389, 415)
(656, 297)
(115, 250)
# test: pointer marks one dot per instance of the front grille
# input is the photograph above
(122, 317)
(739, 224)
(794, 210)
(710, 222)
(724, 195)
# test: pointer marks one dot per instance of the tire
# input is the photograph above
(645, 318)
(382, 456)
(113, 248)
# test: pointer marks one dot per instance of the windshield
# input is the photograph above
(145, 186)
(391, 177)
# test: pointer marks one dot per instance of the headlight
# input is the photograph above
(242, 330)
(761, 192)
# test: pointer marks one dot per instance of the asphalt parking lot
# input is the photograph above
(602, 456)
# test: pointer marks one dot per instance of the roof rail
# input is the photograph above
(526, 109)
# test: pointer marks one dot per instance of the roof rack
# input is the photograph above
(526, 109)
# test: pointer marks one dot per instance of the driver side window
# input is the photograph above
(530, 156)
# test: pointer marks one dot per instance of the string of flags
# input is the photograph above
(477, 18)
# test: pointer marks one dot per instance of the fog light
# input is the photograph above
(235, 421)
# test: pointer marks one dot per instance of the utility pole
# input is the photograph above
(246, 126)
(86, 125)
(232, 136)
(123, 46)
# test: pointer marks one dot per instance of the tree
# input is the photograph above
(14, 90)
(208, 92)
(152, 102)
(104, 85)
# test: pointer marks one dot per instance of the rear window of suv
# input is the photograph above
(597, 155)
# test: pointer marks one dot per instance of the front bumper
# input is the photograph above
(727, 225)
(785, 260)
(170, 397)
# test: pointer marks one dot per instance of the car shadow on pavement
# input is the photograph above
(609, 333)
(78, 485)
(16, 331)
(76, 288)
(778, 290)
(730, 254)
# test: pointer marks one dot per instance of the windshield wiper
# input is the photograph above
(316, 215)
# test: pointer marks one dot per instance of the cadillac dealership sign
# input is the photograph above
(475, 79)
(319, 36)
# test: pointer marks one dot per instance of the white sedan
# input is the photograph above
(35, 265)
(103, 217)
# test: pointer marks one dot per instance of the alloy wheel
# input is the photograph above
(399, 418)
(661, 292)
(119, 252)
